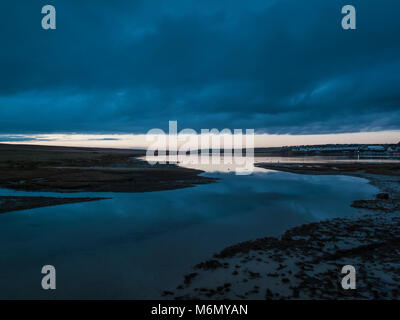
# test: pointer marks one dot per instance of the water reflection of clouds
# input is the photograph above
(140, 235)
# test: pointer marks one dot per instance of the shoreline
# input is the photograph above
(71, 170)
(16, 203)
(305, 262)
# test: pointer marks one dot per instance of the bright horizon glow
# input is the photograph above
(138, 141)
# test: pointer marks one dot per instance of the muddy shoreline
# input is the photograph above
(13, 203)
(69, 170)
(306, 261)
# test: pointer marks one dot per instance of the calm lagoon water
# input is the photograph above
(136, 245)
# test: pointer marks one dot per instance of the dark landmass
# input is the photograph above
(363, 151)
(62, 169)
(12, 203)
(347, 150)
(65, 169)
(353, 169)
(306, 261)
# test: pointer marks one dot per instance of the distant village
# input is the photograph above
(372, 149)
(335, 149)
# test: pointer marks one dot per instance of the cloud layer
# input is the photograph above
(279, 66)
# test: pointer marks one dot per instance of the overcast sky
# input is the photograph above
(278, 66)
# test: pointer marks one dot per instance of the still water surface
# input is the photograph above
(137, 244)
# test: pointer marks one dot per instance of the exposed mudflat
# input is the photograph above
(11, 203)
(63, 169)
(306, 261)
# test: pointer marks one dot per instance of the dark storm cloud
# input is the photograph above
(280, 66)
